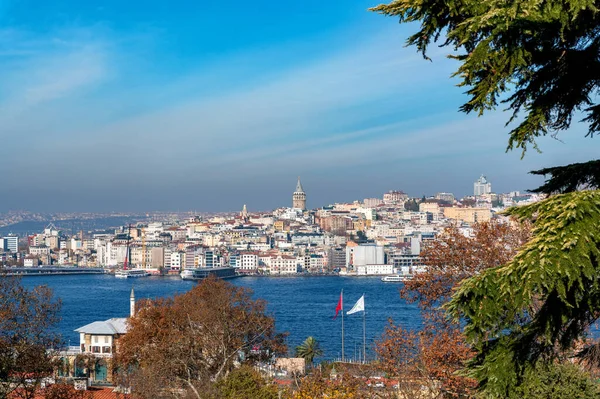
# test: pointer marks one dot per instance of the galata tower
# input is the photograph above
(299, 197)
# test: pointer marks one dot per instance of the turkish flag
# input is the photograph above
(340, 305)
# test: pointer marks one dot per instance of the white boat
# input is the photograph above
(131, 273)
(187, 274)
(396, 278)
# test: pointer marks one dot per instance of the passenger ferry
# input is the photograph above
(203, 272)
(131, 273)
(396, 278)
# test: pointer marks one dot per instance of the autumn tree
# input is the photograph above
(28, 337)
(398, 353)
(176, 346)
(319, 385)
(432, 356)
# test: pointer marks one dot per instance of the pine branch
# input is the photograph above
(569, 178)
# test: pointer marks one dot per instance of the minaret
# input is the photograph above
(299, 197)
(132, 303)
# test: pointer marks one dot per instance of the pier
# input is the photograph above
(49, 270)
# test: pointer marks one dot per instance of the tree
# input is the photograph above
(361, 236)
(411, 205)
(541, 303)
(542, 60)
(28, 337)
(184, 343)
(556, 381)
(318, 385)
(543, 56)
(432, 356)
(309, 349)
(245, 382)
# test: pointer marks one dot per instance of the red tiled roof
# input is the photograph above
(96, 393)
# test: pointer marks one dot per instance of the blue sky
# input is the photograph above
(208, 105)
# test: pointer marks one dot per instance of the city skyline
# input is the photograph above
(118, 107)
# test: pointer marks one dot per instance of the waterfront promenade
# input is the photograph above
(50, 271)
(303, 306)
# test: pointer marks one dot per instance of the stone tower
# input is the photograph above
(299, 197)
(244, 213)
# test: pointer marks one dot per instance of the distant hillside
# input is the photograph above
(69, 226)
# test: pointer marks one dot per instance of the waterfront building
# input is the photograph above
(97, 341)
(336, 258)
(248, 262)
(406, 261)
(364, 254)
(31, 261)
(299, 197)
(482, 186)
(177, 260)
(374, 270)
(11, 243)
(283, 264)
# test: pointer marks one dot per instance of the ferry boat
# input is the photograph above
(204, 272)
(131, 273)
(396, 278)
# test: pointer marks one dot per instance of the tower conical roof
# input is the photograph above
(299, 188)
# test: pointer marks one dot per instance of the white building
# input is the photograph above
(482, 186)
(364, 254)
(177, 260)
(374, 270)
(248, 261)
(283, 264)
(41, 250)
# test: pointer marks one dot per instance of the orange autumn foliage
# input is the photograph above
(430, 358)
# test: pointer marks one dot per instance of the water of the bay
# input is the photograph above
(302, 306)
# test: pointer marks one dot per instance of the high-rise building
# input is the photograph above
(299, 197)
(11, 243)
(482, 186)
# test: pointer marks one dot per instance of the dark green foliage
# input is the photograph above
(541, 302)
(556, 381)
(309, 349)
(565, 179)
(411, 205)
(361, 236)
(245, 382)
(540, 58)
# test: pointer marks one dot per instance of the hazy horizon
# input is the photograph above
(134, 106)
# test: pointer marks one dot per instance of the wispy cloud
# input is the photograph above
(36, 72)
(370, 107)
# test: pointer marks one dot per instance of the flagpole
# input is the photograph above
(342, 324)
(364, 336)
